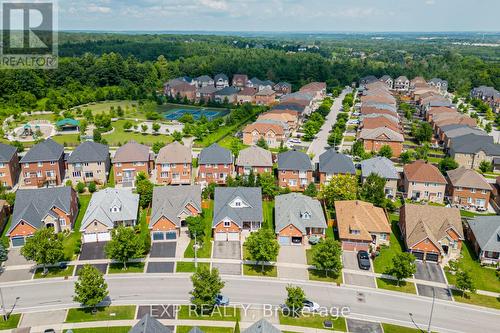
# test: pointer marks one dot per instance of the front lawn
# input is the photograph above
(313, 321)
(11, 322)
(383, 261)
(117, 329)
(258, 270)
(317, 275)
(404, 287)
(188, 267)
(219, 314)
(132, 267)
(54, 272)
(103, 313)
(268, 211)
(72, 241)
(205, 251)
(476, 299)
(205, 329)
(389, 328)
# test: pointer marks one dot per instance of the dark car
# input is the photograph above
(50, 330)
(363, 260)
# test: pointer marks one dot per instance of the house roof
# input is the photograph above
(433, 222)
(250, 212)
(385, 78)
(6, 152)
(402, 78)
(283, 84)
(263, 127)
(289, 106)
(208, 90)
(227, 91)
(183, 86)
(368, 79)
(390, 117)
(381, 166)
(472, 143)
(171, 202)
(294, 160)
(313, 86)
(32, 205)
(304, 96)
(376, 122)
(265, 92)
(486, 230)
(221, 77)
(423, 172)
(149, 324)
(279, 115)
(464, 177)
(262, 326)
(242, 77)
(381, 134)
(247, 91)
(89, 151)
(203, 78)
(331, 162)
(435, 110)
(255, 156)
(174, 152)
(460, 130)
(67, 121)
(132, 152)
(291, 208)
(215, 154)
(47, 150)
(102, 202)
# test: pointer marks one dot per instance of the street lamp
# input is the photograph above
(430, 316)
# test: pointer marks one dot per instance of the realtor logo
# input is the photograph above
(29, 35)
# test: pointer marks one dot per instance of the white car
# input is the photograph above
(293, 140)
(310, 306)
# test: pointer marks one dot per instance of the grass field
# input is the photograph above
(404, 287)
(117, 329)
(188, 267)
(71, 242)
(389, 328)
(257, 270)
(219, 314)
(103, 313)
(129, 107)
(11, 322)
(313, 321)
(205, 251)
(476, 299)
(132, 267)
(317, 275)
(54, 272)
(384, 260)
(120, 136)
(268, 211)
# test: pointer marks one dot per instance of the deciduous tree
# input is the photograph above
(90, 288)
(326, 256)
(207, 284)
(372, 190)
(403, 266)
(294, 300)
(465, 282)
(262, 246)
(340, 187)
(124, 245)
(45, 248)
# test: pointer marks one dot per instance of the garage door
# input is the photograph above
(158, 235)
(17, 241)
(103, 236)
(432, 257)
(171, 235)
(221, 236)
(419, 255)
(233, 236)
(284, 240)
(88, 238)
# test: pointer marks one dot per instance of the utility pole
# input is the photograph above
(3, 306)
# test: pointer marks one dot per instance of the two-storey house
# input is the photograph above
(423, 181)
(9, 166)
(174, 164)
(130, 160)
(89, 162)
(43, 165)
(214, 165)
(295, 170)
(467, 187)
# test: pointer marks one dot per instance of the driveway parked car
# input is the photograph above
(221, 300)
(363, 260)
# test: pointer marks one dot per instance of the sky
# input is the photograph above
(280, 15)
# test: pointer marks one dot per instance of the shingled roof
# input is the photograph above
(6, 152)
(294, 160)
(132, 152)
(255, 156)
(175, 152)
(381, 166)
(331, 162)
(262, 326)
(290, 209)
(486, 230)
(423, 172)
(148, 324)
(171, 201)
(89, 151)
(250, 196)
(464, 177)
(215, 154)
(47, 150)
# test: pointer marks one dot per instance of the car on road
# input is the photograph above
(221, 300)
(363, 260)
(353, 122)
(50, 330)
(310, 306)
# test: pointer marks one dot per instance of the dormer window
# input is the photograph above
(115, 209)
(305, 215)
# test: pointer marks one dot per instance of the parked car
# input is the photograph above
(310, 306)
(293, 140)
(221, 300)
(313, 240)
(363, 260)
(49, 330)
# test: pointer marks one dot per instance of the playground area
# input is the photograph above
(210, 114)
(32, 131)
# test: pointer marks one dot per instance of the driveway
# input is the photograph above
(92, 251)
(431, 272)
(43, 318)
(15, 258)
(350, 261)
(16, 275)
(440, 293)
(101, 267)
(361, 326)
(227, 269)
(292, 255)
(227, 250)
(160, 267)
(163, 250)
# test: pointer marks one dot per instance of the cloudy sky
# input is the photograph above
(280, 15)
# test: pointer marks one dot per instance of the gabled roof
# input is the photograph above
(221, 77)
(215, 154)
(460, 130)
(381, 166)
(47, 150)
(89, 151)
(262, 326)
(207, 90)
(32, 205)
(174, 152)
(289, 106)
(283, 84)
(247, 91)
(171, 202)
(290, 209)
(255, 156)
(472, 143)
(263, 127)
(486, 230)
(402, 78)
(250, 196)
(423, 172)
(294, 160)
(67, 121)
(265, 92)
(381, 133)
(103, 201)
(380, 115)
(464, 177)
(132, 152)
(149, 324)
(203, 78)
(227, 91)
(6, 152)
(331, 162)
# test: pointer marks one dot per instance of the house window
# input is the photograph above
(54, 163)
(118, 164)
(40, 164)
(439, 194)
(413, 183)
(459, 188)
(77, 174)
(469, 200)
(2, 165)
(39, 174)
(472, 190)
(26, 165)
(99, 163)
(426, 184)
(62, 222)
(483, 191)
(426, 193)
(227, 224)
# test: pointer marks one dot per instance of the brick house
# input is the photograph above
(43, 165)
(214, 165)
(450, 132)
(179, 88)
(332, 163)
(52, 207)
(273, 132)
(294, 170)
(236, 209)
(434, 111)
(431, 233)
(246, 95)
(9, 166)
(129, 160)
(254, 159)
(174, 164)
(423, 181)
(206, 94)
(482, 232)
(380, 121)
(383, 167)
(471, 149)
(239, 80)
(318, 89)
(282, 88)
(289, 117)
(89, 162)
(266, 96)
(374, 139)
(226, 95)
(467, 187)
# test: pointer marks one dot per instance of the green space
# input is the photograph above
(80, 315)
(314, 321)
(205, 251)
(72, 241)
(389, 328)
(258, 270)
(111, 178)
(11, 322)
(144, 229)
(119, 136)
(165, 108)
(268, 211)
(205, 329)
(384, 260)
(349, 138)
(116, 329)
(318, 275)
(132, 267)
(188, 266)
(218, 314)
(404, 287)
(477, 299)
(54, 272)
(5, 239)
(129, 107)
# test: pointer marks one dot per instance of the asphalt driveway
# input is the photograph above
(92, 251)
(227, 269)
(429, 271)
(350, 261)
(16, 275)
(440, 293)
(361, 326)
(101, 267)
(163, 250)
(227, 250)
(160, 267)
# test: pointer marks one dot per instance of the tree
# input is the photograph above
(127, 125)
(156, 127)
(195, 226)
(144, 128)
(145, 190)
(423, 132)
(206, 286)
(80, 187)
(186, 118)
(268, 185)
(235, 147)
(3, 254)
(157, 146)
(45, 248)
(92, 187)
(486, 166)
(90, 288)
(311, 190)
(385, 151)
(262, 143)
(294, 300)
(208, 191)
(406, 157)
(340, 187)
(446, 164)
(250, 179)
(177, 136)
(372, 190)
(465, 282)
(326, 256)
(96, 135)
(358, 149)
(124, 245)
(262, 246)
(488, 128)
(403, 266)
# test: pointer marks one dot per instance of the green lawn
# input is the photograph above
(67, 140)
(268, 212)
(389, 328)
(476, 299)
(349, 138)
(309, 254)
(128, 106)
(484, 278)
(205, 329)
(404, 287)
(257, 270)
(144, 230)
(103, 313)
(111, 178)
(132, 267)
(72, 241)
(219, 314)
(205, 251)
(5, 239)
(384, 260)
(188, 267)
(120, 136)
(313, 321)
(117, 329)
(11, 322)
(317, 275)
(54, 272)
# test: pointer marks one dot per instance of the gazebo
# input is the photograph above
(68, 124)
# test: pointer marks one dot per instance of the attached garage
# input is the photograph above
(97, 237)
(418, 254)
(159, 236)
(227, 236)
(220, 236)
(284, 240)
(233, 236)
(432, 257)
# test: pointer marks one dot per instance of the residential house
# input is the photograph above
(367, 79)
(332, 163)
(467, 187)
(488, 95)
(34, 209)
(365, 110)
(387, 80)
(273, 132)
(221, 81)
(246, 95)
(380, 121)
(402, 83)
(318, 89)
(423, 181)
(381, 99)
(182, 90)
(383, 167)
(43, 165)
(289, 117)
(254, 160)
(441, 85)
(240, 80)
(108, 209)
(89, 162)
(129, 160)
(266, 96)
(361, 225)
(282, 88)
(226, 95)
(206, 94)
(203, 81)
(431, 233)
(374, 139)
(471, 149)
(9, 166)
(215, 164)
(439, 121)
(236, 209)
(260, 85)
(484, 234)
(418, 83)
(297, 218)
(451, 132)
(172, 205)
(261, 326)
(174, 164)
(434, 111)
(289, 106)
(149, 324)
(294, 170)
